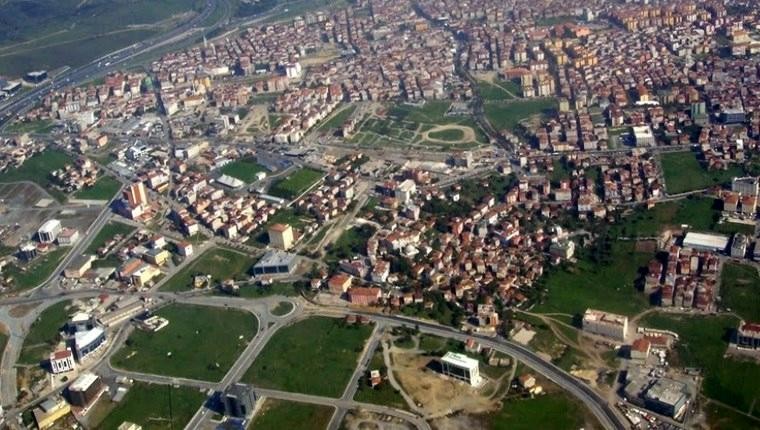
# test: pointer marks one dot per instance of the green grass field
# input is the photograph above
(44, 34)
(506, 116)
(108, 232)
(220, 263)
(683, 172)
(450, 135)
(39, 270)
(494, 92)
(245, 170)
(43, 334)
(37, 169)
(203, 341)
(339, 118)
(607, 286)
(295, 183)
(42, 126)
(383, 394)
(702, 344)
(155, 407)
(700, 213)
(282, 308)
(351, 242)
(104, 189)
(740, 290)
(259, 291)
(314, 356)
(556, 411)
(281, 414)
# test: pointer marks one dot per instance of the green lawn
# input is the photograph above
(703, 342)
(295, 183)
(104, 189)
(721, 418)
(339, 118)
(245, 170)
(493, 92)
(258, 291)
(506, 116)
(282, 308)
(203, 341)
(43, 334)
(683, 172)
(699, 213)
(449, 135)
(383, 394)
(351, 242)
(432, 112)
(220, 263)
(155, 407)
(108, 232)
(556, 411)
(314, 356)
(740, 290)
(281, 414)
(39, 270)
(607, 285)
(37, 169)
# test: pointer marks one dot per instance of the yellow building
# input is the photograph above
(49, 412)
(281, 236)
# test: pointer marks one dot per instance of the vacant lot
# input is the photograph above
(245, 170)
(295, 183)
(383, 394)
(200, 342)
(314, 356)
(44, 334)
(37, 169)
(339, 118)
(41, 126)
(556, 411)
(25, 277)
(607, 285)
(683, 172)
(350, 243)
(155, 407)
(107, 233)
(280, 414)
(219, 263)
(703, 342)
(506, 116)
(740, 290)
(104, 189)
(699, 213)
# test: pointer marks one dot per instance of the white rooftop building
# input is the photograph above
(705, 242)
(461, 367)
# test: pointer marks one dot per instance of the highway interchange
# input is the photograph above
(50, 291)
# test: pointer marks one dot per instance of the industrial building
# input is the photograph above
(50, 411)
(739, 246)
(705, 242)
(747, 186)
(462, 367)
(275, 263)
(85, 389)
(239, 400)
(49, 231)
(664, 396)
(605, 324)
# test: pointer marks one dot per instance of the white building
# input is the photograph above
(462, 367)
(62, 361)
(605, 324)
(643, 136)
(705, 242)
(88, 341)
(49, 231)
(405, 191)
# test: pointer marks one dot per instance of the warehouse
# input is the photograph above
(705, 242)
(275, 263)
